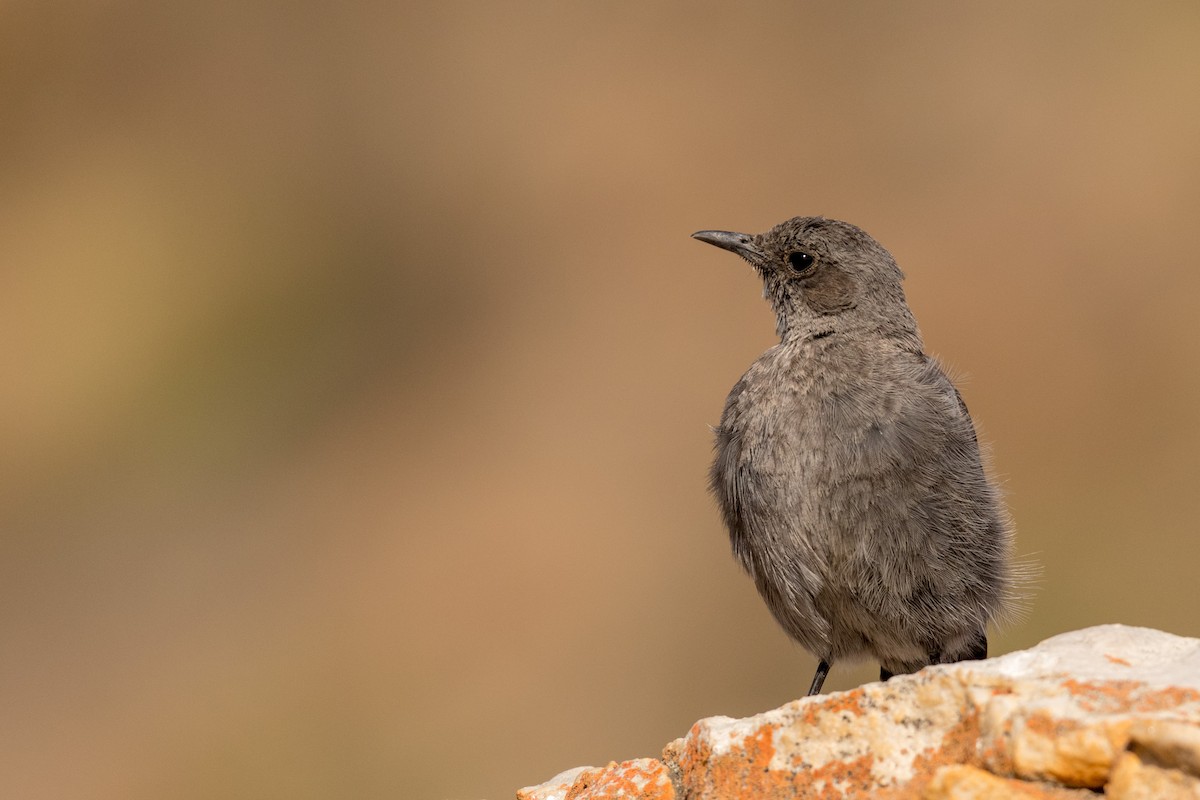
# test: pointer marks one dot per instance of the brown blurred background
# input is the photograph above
(358, 365)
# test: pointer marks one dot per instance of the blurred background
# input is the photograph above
(359, 367)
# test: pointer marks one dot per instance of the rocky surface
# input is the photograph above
(1110, 709)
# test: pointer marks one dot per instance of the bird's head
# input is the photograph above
(823, 276)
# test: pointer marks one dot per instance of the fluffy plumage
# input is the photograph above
(847, 468)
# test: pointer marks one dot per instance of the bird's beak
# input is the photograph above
(740, 243)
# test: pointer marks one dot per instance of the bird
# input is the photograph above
(847, 469)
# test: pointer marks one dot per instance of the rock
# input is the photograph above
(1167, 744)
(964, 782)
(554, 789)
(1112, 707)
(1133, 780)
(640, 779)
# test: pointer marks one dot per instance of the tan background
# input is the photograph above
(357, 362)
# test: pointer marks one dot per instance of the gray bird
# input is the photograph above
(847, 468)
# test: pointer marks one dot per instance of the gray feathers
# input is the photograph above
(847, 468)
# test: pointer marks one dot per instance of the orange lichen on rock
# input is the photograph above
(877, 741)
(745, 764)
(640, 779)
(850, 702)
(1126, 696)
(960, 746)
(748, 769)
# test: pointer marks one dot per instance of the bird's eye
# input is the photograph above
(800, 261)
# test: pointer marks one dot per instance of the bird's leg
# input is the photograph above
(885, 674)
(819, 678)
(978, 650)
